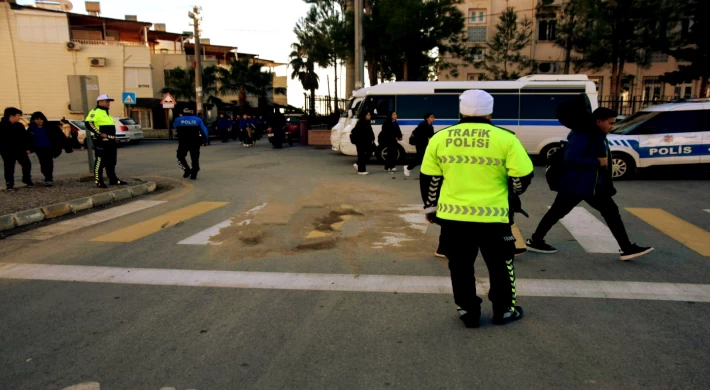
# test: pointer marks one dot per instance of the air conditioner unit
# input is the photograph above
(546, 68)
(73, 46)
(97, 62)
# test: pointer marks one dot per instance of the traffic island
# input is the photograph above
(39, 213)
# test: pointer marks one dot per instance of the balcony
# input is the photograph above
(106, 43)
(192, 58)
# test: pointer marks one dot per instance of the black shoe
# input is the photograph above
(118, 183)
(520, 251)
(10, 188)
(49, 183)
(193, 175)
(508, 316)
(186, 174)
(101, 185)
(634, 251)
(471, 320)
(539, 246)
(29, 183)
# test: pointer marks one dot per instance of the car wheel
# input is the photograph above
(382, 152)
(548, 151)
(623, 166)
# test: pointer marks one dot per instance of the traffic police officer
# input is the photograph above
(465, 181)
(103, 134)
(191, 134)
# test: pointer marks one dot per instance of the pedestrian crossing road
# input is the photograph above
(590, 233)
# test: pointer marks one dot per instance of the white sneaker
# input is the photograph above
(363, 173)
(387, 170)
(393, 170)
(407, 172)
(355, 166)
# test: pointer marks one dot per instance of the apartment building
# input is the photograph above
(482, 16)
(52, 58)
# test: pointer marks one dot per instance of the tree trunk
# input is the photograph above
(612, 88)
(335, 90)
(313, 101)
(703, 93)
(372, 70)
(242, 98)
(350, 64)
(568, 42)
(405, 70)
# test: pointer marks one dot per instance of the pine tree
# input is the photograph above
(503, 58)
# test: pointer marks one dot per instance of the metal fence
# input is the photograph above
(629, 105)
(324, 105)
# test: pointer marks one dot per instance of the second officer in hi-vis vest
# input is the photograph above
(102, 128)
(465, 180)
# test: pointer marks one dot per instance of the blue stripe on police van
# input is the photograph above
(540, 122)
(497, 122)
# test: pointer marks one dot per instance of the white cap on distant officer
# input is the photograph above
(103, 98)
(476, 102)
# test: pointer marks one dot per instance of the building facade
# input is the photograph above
(482, 16)
(44, 52)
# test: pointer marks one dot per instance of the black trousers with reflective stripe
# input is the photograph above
(461, 242)
(194, 149)
(106, 158)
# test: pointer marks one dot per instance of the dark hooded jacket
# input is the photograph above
(362, 133)
(586, 143)
(14, 137)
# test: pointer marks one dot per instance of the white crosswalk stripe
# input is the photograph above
(47, 232)
(205, 237)
(590, 232)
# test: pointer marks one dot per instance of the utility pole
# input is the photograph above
(359, 54)
(195, 16)
(350, 63)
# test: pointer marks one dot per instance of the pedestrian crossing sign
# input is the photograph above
(129, 98)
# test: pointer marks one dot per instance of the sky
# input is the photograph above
(263, 27)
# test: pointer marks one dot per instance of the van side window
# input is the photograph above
(383, 105)
(415, 106)
(671, 122)
(505, 106)
(541, 106)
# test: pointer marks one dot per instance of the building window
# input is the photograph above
(477, 55)
(683, 91)
(546, 27)
(474, 76)
(598, 82)
(652, 88)
(659, 57)
(143, 118)
(87, 35)
(476, 16)
(137, 78)
(477, 34)
(36, 28)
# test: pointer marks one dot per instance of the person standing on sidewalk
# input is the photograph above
(363, 138)
(420, 136)
(587, 176)
(15, 144)
(191, 132)
(103, 133)
(47, 144)
(389, 138)
(465, 180)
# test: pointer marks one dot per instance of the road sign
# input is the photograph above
(168, 101)
(129, 98)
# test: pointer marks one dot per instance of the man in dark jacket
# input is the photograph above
(276, 124)
(224, 125)
(191, 133)
(421, 136)
(15, 145)
(587, 176)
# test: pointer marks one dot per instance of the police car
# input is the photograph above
(667, 134)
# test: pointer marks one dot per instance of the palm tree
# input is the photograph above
(264, 86)
(181, 83)
(303, 67)
(241, 78)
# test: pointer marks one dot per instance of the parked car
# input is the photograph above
(128, 131)
(293, 126)
(79, 128)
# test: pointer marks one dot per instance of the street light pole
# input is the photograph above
(359, 55)
(195, 15)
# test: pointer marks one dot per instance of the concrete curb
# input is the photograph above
(27, 217)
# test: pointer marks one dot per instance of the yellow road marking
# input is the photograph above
(153, 225)
(519, 240)
(335, 226)
(684, 232)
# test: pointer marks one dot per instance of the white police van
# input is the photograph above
(667, 134)
(526, 106)
(345, 118)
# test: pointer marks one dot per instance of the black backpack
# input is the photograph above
(413, 138)
(555, 167)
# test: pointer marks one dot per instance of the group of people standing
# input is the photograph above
(17, 143)
(246, 128)
(363, 137)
